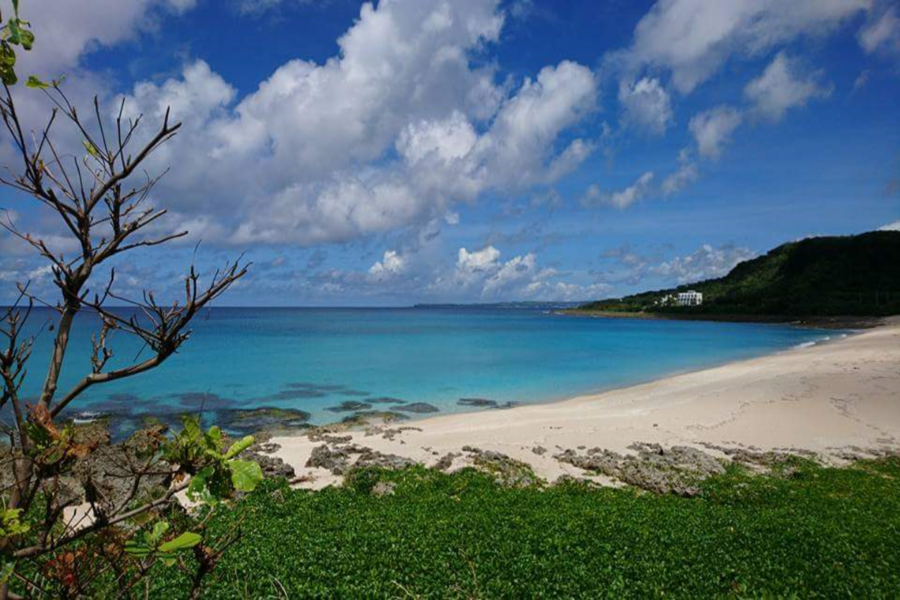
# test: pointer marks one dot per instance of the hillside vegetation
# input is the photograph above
(823, 276)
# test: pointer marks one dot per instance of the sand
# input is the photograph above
(838, 395)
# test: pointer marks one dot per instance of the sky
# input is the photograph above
(407, 151)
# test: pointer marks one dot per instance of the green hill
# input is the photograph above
(824, 276)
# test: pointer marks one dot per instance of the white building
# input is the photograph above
(689, 298)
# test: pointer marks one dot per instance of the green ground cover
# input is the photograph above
(805, 531)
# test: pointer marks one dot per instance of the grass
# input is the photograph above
(811, 532)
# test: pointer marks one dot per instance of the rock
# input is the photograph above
(349, 406)
(340, 460)
(373, 458)
(271, 466)
(417, 407)
(677, 470)
(384, 488)
(367, 417)
(506, 470)
(264, 418)
(539, 450)
(446, 461)
(390, 433)
(477, 402)
(335, 460)
(318, 435)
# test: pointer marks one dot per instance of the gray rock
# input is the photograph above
(384, 488)
(349, 406)
(341, 460)
(446, 461)
(677, 470)
(417, 407)
(506, 470)
(477, 402)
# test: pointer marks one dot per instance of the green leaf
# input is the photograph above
(245, 475)
(6, 571)
(184, 541)
(92, 150)
(138, 549)
(214, 439)
(35, 83)
(159, 530)
(191, 426)
(26, 38)
(13, 28)
(198, 491)
(239, 446)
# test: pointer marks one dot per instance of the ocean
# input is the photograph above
(324, 364)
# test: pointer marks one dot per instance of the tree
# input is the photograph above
(102, 203)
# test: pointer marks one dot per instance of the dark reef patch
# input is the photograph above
(477, 402)
(417, 407)
(385, 400)
(349, 406)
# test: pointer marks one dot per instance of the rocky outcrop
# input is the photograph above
(676, 470)
(506, 470)
(340, 459)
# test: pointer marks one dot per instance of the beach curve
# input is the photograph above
(828, 399)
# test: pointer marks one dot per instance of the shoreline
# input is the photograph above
(850, 322)
(835, 397)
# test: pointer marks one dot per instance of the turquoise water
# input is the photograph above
(315, 359)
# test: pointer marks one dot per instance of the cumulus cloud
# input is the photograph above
(391, 264)
(69, 30)
(712, 129)
(693, 38)
(646, 105)
(784, 85)
(391, 132)
(705, 263)
(895, 226)
(482, 275)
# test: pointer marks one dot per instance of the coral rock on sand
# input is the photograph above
(676, 470)
(338, 460)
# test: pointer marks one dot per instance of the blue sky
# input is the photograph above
(481, 150)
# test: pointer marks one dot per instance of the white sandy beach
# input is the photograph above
(839, 395)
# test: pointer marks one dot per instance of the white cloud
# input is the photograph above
(882, 34)
(712, 129)
(621, 199)
(482, 275)
(686, 174)
(895, 226)
(477, 261)
(390, 133)
(705, 263)
(646, 105)
(693, 38)
(70, 29)
(391, 264)
(783, 85)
